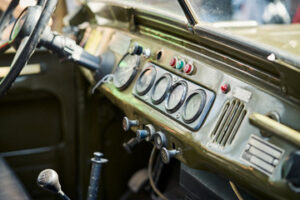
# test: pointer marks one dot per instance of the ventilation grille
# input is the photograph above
(230, 120)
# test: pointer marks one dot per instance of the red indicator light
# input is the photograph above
(173, 62)
(188, 68)
(225, 88)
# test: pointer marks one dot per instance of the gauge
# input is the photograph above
(176, 96)
(161, 88)
(126, 71)
(193, 106)
(145, 81)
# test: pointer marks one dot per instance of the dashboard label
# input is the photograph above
(262, 155)
(120, 43)
(242, 94)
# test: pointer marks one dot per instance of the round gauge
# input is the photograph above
(145, 80)
(176, 96)
(126, 71)
(193, 106)
(161, 88)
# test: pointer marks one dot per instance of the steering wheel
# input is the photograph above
(26, 33)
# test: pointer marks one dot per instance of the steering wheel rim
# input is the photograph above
(7, 15)
(27, 46)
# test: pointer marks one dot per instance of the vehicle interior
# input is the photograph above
(150, 99)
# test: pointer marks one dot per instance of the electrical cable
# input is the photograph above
(236, 191)
(150, 165)
(106, 79)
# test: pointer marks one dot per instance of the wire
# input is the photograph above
(106, 79)
(235, 190)
(150, 165)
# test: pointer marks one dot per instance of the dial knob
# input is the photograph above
(127, 123)
(135, 49)
(291, 170)
(160, 140)
(166, 154)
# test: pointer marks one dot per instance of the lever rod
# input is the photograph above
(97, 162)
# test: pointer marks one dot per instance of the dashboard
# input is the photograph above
(214, 116)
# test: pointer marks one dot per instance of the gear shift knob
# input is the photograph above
(48, 179)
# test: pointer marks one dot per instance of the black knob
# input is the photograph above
(130, 145)
(291, 170)
(166, 154)
(127, 123)
(160, 140)
(135, 49)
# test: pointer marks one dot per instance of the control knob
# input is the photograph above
(135, 49)
(166, 154)
(127, 123)
(160, 140)
(146, 133)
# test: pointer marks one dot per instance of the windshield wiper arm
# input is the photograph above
(189, 12)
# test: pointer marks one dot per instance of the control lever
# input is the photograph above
(97, 162)
(130, 145)
(48, 179)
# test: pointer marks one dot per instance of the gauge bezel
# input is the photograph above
(133, 74)
(163, 97)
(143, 92)
(185, 89)
(200, 109)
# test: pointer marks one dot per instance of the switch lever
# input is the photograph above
(130, 145)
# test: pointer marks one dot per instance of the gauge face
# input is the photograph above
(126, 71)
(193, 106)
(145, 81)
(176, 96)
(160, 88)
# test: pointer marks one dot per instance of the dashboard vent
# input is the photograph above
(229, 122)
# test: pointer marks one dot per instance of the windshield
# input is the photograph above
(259, 11)
(273, 23)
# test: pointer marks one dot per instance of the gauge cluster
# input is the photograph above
(182, 100)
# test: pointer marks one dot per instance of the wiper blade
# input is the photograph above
(189, 12)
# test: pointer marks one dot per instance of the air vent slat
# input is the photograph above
(230, 119)
(238, 123)
(227, 123)
(222, 124)
(233, 123)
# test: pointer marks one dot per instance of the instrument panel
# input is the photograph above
(179, 99)
(205, 111)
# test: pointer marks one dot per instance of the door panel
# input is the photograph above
(38, 123)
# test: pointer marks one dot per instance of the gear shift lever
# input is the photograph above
(48, 179)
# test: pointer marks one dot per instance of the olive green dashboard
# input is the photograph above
(228, 140)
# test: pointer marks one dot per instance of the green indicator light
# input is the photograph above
(180, 64)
